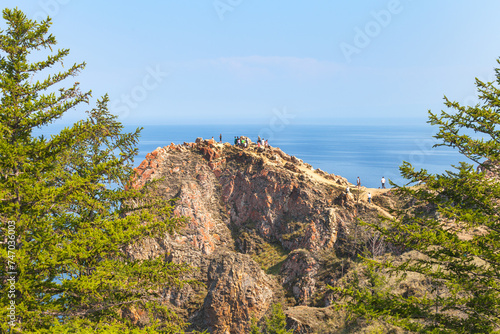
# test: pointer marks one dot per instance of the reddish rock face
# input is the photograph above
(298, 272)
(148, 167)
(224, 190)
(238, 289)
(209, 153)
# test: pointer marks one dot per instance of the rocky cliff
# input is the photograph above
(263, 227)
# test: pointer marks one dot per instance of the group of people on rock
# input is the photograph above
(240, 141)
(243, 142)
(261, 142)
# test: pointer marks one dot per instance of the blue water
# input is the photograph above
(369, 152)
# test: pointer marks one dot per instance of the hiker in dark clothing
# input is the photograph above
(220, 138)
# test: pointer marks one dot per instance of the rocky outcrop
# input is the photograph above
(304, 319)
(299, 273)
(490, 168)
(238, 290)
(240, 204)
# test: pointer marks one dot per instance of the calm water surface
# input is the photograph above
(369, 152)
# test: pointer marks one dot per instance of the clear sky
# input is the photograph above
(249, 61)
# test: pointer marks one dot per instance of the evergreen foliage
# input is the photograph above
(66, 205)
(274, 324)
(457, 233)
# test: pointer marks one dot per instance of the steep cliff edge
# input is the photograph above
(262, 227)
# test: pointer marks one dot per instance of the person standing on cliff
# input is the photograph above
(383, 182)
(369, 197)
(220, 138)
(358, 182)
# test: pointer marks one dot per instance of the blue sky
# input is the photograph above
(245, 61)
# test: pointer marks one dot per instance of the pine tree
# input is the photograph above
(458, 233)
(276, 323)
(65, 207)
(254, 327)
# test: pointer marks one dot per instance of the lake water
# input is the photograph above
(369, 152)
